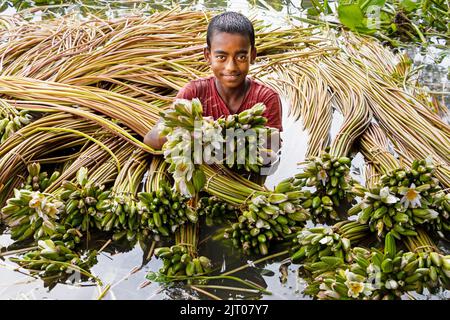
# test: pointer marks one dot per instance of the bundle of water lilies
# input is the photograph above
(269, 216)
(329, 177)
(164, 210)
(374, 274)
(216, 211)
(403, 199)
(11, 120)
(37, 180)
(53, 257)
(335, 241)
(86, 202)
(28, 213)
(178, 261)
(193, 139)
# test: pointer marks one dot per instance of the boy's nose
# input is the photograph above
(230, 65)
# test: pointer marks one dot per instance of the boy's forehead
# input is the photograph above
(229, 39)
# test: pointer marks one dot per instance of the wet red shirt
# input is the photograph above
(213, 105)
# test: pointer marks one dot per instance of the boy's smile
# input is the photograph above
(230, 56)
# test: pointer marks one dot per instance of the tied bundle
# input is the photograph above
(331, 182)
(237, 141)
(377, 274)
(404, 199)
(268, 217)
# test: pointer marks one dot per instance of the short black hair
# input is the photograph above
(231, 22)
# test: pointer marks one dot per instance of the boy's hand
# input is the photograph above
(154, 138)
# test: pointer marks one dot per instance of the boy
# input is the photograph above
(230, 51)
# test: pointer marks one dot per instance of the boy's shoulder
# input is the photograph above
(195, 88)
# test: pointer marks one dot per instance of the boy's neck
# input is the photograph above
(233, 97)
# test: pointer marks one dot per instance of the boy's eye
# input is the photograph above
(220, 57)
(242, 58)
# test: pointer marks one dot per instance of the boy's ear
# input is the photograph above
(207, 54)
(253, 55)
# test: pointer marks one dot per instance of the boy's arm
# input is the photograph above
(153, 138)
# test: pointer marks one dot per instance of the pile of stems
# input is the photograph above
(421, 242)
(371, 174)
(228, 185)
(373, 145)
(401, 113)
(137, 115)
(107, 173)
(97, 160)
(187, 235)
(349, 99)
(414, 131)
(134, 56)
(103, 121)
(49, 120)
(310, 99)
(39, 142)
(411, 144)
(130, 177)
(157, 172)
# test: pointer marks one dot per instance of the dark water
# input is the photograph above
(124, 266)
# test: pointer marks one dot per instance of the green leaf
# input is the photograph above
(369, 29)
(190, 187)
(157, 277)
(312, 12)
(351, 16)
(199, 179)
(409, 5)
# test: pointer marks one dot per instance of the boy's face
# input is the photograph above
(230, 56)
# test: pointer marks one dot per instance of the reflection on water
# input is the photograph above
(124, 266)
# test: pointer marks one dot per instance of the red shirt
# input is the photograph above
(213, 105)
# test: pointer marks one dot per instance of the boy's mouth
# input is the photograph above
(231, 76)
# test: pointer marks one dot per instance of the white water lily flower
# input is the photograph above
(182, 187)
(38, 200)
(356, 285)
(391, 284)
(387, 197)
(328, 294)
(259, 200)
(259, 224)
(322, 176)
(365, 204)
(411, 197)
(323, 286)
(184, 170)
(50, 210)
(372, 269)
(354, 288)
(212, 134)
(326, 240)
(372, 195)
(251, 263)
(429, 160)
(434, 214)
